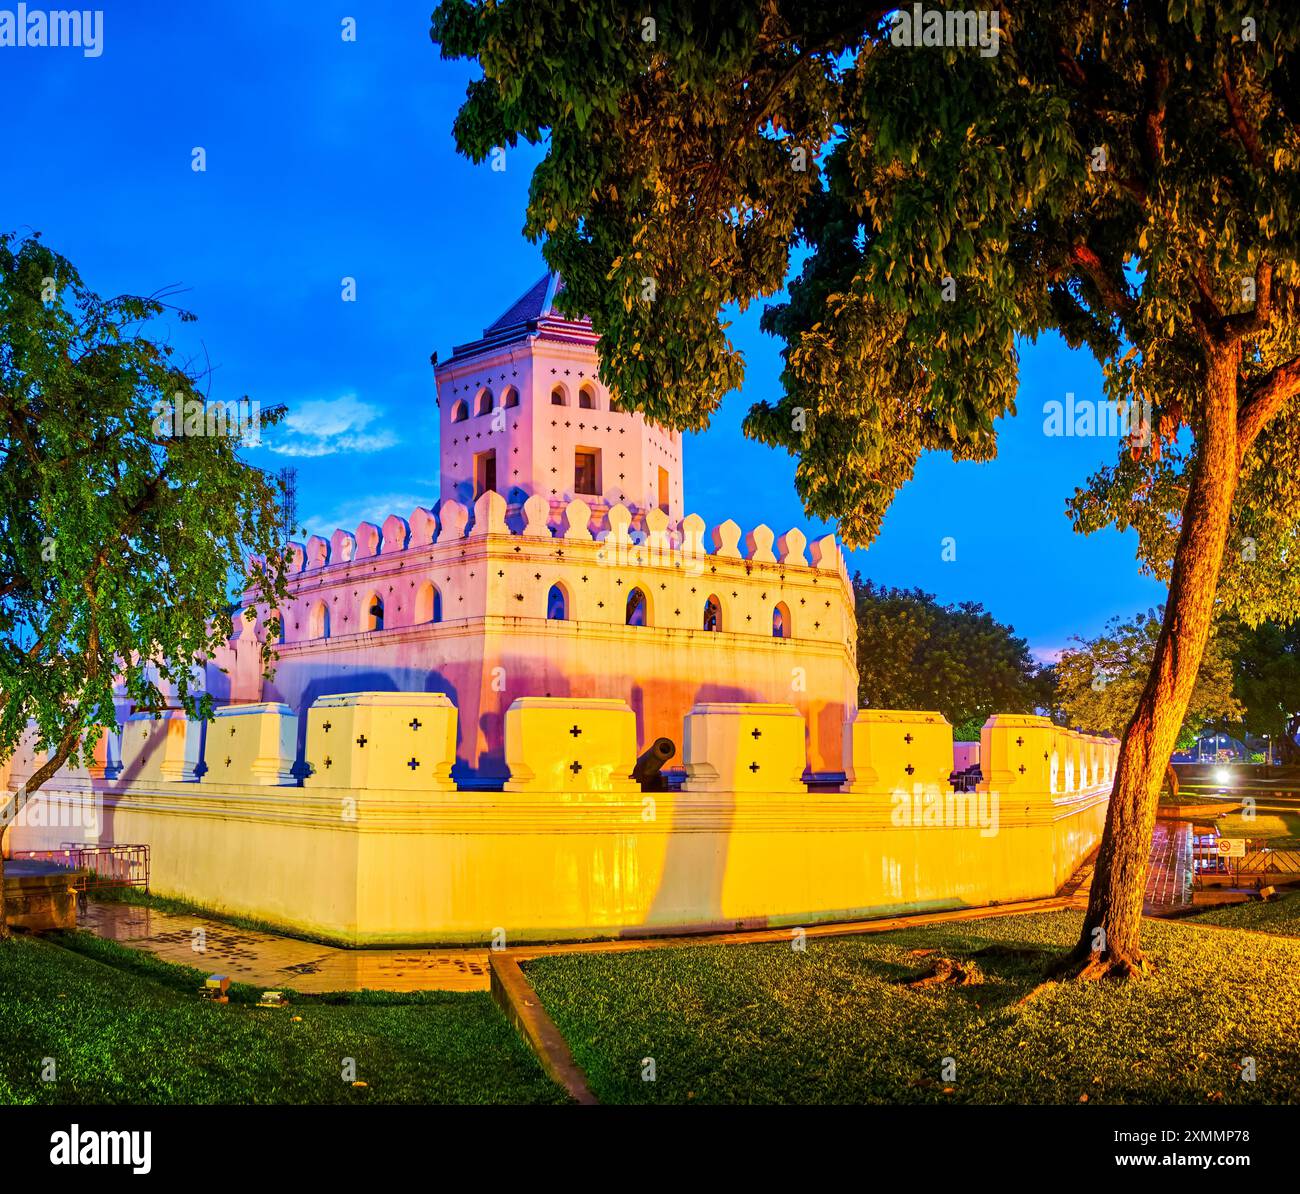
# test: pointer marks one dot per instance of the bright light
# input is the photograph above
(1221, 776)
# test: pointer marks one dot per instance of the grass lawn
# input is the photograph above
(838, 1024)
(123, 1027)
(1280, 916)
(1280, 829)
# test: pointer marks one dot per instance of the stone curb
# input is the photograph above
(515, 996)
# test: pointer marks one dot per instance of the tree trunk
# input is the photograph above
(1288, 752)
(1109, 943)
(4, 911)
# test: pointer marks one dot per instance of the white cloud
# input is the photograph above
(350, 514)
(1046, 655)
(325, 426)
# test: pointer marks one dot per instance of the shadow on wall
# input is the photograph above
(333, 685)
(694, 863)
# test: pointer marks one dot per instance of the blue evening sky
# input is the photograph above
(328, 159)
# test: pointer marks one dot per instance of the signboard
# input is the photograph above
(1232, 847)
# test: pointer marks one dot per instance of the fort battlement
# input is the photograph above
(379, 844)
(419, 570)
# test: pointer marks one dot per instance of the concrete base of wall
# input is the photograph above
(39, 898)
(475, 868)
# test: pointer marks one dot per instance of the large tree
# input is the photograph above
(125, 533)
(915, 653)
(1123, 174)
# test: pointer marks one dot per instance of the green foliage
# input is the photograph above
(838, 1024)
(122, 546)
(676, 159)
(1099, 681)
(914, 653)
(1267, 683)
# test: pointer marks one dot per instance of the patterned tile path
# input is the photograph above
(1169, 878)
(269, 961)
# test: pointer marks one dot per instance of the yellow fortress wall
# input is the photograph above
(374, 850)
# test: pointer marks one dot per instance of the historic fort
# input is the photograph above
(448, 749)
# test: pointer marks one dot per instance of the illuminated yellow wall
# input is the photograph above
(372, 850)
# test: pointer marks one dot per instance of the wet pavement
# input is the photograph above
(269, 961)
(1169, 877)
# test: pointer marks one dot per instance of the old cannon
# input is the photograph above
(648, 771)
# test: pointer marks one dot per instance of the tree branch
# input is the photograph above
(1246, 134)
(1113, 292)
(1264, 399)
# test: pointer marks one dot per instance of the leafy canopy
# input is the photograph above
(122, 545)
(914, 653)
(1098, 682)
(1267, 683)
(708, 157)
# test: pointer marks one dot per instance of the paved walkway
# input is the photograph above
(1169, 877)
(270, 961)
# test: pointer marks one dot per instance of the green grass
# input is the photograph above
(1280, 829)
(837, 1024)
(124, 1027)
(1281, 916)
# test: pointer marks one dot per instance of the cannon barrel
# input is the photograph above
(650, 765)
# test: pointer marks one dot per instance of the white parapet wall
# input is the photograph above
(378, 845)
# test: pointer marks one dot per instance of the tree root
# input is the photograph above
(949, 972)
(1094, 966)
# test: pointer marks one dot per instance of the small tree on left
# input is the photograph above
(126, 535)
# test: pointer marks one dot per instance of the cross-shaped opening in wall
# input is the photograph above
(753, 766)
(328, 762)
(575, 731)
(326, 727)
(575, 766)
(1022, 769)
(908, 739)
(415, 723)
(1020, 742)
(414, 763)
(756, 733)
(362, 740)
(909, 769)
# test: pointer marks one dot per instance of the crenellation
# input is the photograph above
(395, 535)
(366, 538)
(424, 527)
(343, 547)
(789, 548)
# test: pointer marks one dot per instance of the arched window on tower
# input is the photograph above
(712, 613)
(372, 612)
(781, 621)
(587, 397)
(559, 397)
(428, 604)
(511, 398)
(557, 604)
(638, 612)
(318, 623)
(484, 404)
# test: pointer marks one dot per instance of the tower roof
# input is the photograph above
(532, 314)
